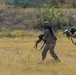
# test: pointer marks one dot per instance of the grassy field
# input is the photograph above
(18, 57)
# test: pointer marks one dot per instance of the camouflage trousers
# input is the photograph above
(49, 46)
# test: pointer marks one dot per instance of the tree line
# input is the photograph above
(41, 3)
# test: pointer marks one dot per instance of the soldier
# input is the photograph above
(50, 38)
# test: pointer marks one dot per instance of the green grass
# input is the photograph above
(18, 57)
(2, 6)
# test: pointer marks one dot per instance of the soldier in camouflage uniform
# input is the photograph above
(50, 38)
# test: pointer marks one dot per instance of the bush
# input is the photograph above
(50, 14)
(15, 33)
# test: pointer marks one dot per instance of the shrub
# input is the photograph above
(50, 14)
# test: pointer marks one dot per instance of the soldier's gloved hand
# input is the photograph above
(40, 36)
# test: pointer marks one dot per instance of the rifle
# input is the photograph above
(39, 40)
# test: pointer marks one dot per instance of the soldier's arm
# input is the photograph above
(45, 35)
(38, 41)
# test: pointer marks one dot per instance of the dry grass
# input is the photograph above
(18, 57)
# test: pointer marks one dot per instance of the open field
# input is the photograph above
(18, 57)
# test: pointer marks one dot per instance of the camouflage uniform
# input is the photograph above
(50, 44)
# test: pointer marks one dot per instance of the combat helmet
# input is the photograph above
(46, 23)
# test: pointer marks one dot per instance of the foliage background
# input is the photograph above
(30, 14)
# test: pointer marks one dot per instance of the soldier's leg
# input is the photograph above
(53, 54)
(44, 52)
